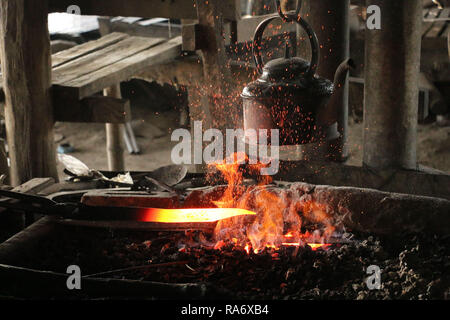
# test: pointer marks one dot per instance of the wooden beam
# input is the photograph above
(98, 109)
(192, 36)
(34, 186)
(175, 9)
(26, 67)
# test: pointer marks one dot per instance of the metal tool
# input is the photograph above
(79, 211)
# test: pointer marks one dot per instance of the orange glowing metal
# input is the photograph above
(192, 215)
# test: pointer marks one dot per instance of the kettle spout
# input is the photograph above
(341, 73)
(329, 114)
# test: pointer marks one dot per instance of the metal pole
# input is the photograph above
(114, 136)
(391, 90)
(330, 20)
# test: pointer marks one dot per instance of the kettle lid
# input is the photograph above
(292, 69)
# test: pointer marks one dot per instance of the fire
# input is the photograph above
(192, 215)
(280, 214)
(316, 246)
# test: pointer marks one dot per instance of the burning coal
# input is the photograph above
(281, 214)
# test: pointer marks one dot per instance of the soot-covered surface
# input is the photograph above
(412, 266)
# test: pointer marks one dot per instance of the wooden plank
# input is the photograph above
(97, 109)
(66, 56)
(26, 67)
(34, 186)
(175, 9)
(102, 58)
(91, 83)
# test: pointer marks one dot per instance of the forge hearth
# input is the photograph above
(187, 261)
(413, 266)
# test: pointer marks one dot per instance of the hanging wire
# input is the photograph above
(290, 16)
(287, 17)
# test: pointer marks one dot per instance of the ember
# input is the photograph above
(279, 215)
(413, 266)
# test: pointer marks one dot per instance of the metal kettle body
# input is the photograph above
(288, 96)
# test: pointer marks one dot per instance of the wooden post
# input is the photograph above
(114, 136)
(217, 75)
(26, 68)
(220, 104)
(391, 85)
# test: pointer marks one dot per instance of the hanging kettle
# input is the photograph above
(288, 95)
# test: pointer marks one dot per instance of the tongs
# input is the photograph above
(80, 211)
(36, 204)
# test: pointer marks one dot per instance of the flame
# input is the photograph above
(192, 215)
(280, 214)
(315, 246)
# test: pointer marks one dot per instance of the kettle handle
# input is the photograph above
(287, 18)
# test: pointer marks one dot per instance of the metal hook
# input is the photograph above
(315, 49)
(289, 17)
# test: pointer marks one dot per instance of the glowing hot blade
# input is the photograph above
(192, 215)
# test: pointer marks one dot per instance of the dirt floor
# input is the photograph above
(152, 135)
(155, 119)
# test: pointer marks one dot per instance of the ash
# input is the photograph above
(413, 266)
